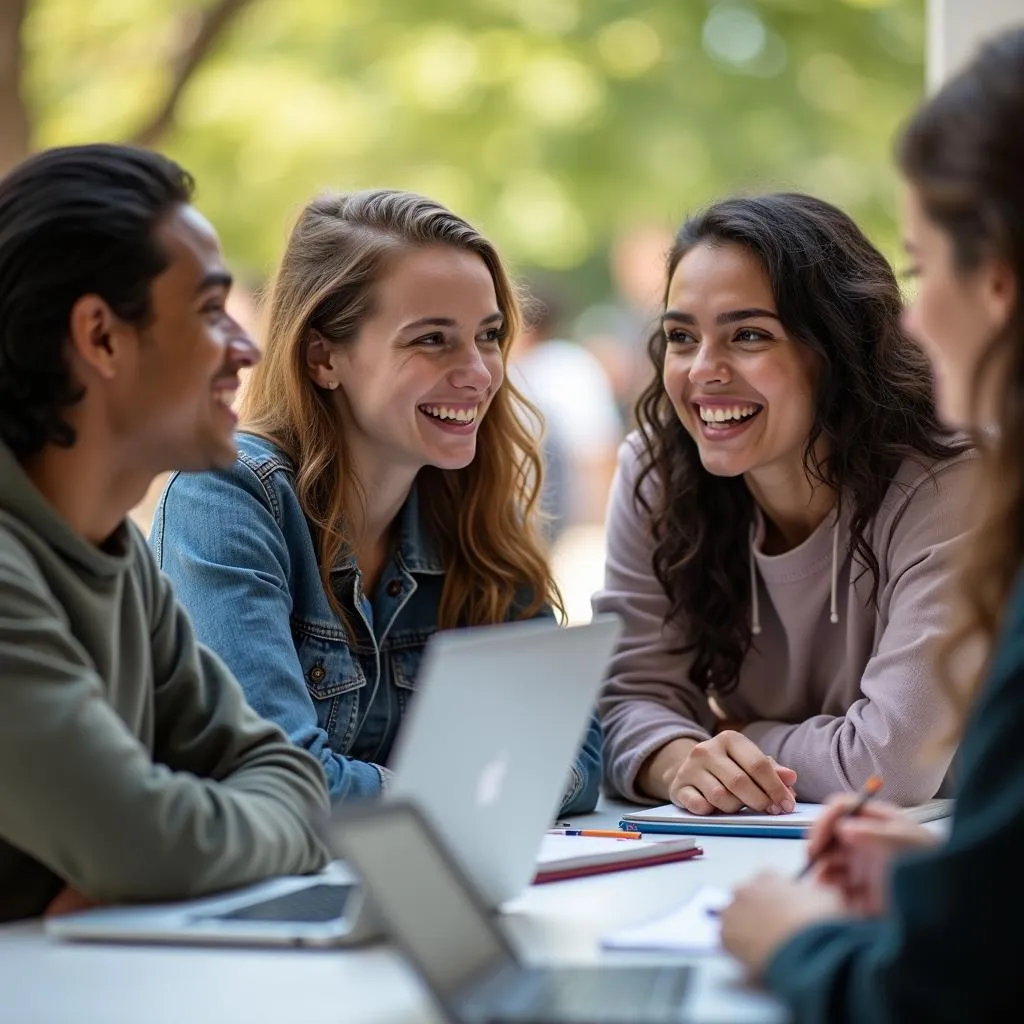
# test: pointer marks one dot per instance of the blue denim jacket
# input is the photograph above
(239, 552)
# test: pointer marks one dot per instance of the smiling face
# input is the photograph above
(741, 387)
(415, 384)
(175, 405)
(953, 316)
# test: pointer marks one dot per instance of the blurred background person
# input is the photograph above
(583, 425)
(583, 429)
(615, 330)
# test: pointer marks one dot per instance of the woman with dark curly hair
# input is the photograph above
(780, 526)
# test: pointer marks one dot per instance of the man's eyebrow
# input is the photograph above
(214, 279)
(730, 317)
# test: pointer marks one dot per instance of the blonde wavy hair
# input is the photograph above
(484, 517)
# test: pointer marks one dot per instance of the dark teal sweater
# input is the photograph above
(950, 948)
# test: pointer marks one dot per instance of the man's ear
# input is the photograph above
(318, 361)
(95, 335)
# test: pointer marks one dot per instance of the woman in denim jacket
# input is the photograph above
(386, 484)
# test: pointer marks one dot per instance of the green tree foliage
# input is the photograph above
(550, 123)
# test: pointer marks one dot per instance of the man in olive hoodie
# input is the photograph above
(131, 767)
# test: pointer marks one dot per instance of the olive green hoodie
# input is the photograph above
(131, 767)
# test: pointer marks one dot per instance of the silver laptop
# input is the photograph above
(485, 749)
(439, 922)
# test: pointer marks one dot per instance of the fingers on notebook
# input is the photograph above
(730, 772)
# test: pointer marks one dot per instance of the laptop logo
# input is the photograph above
(492, 778)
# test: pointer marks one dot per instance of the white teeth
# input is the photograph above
(225, 396)
(443, 412)
(720, 414)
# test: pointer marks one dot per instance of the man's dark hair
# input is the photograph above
(74, 221)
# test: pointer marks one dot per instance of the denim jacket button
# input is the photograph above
(394, 588)
(317, 673)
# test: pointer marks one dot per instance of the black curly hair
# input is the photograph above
(836, 294)
(74, 221)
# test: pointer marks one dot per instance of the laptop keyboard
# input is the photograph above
(604, 995)
(320, 902)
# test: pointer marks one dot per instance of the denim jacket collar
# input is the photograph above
(416, 551)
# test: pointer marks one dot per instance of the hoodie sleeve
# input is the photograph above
(224, 799)
(648, 699)
(901, 705)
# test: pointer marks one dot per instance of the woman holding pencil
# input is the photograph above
(923, 939)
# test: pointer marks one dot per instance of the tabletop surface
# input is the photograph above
(43, 981)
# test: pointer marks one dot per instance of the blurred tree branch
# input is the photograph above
(199, 32)
(14, 120)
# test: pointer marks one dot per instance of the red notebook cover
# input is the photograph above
(582, 871)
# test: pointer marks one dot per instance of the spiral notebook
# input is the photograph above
(669, 819)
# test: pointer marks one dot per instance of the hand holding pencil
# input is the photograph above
(821, 840)
(854, 852)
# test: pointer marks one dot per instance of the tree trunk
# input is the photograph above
(200, 32)
(14, 121)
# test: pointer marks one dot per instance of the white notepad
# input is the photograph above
(694, 927)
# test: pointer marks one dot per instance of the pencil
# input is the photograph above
(871, 787)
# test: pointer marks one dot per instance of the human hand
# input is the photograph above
(768, 910)
(855, 854)
(728, 772)
(67, 901)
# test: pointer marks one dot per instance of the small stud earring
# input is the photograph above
(332, 384)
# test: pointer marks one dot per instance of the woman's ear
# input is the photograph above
(318, 361)
(998, 292)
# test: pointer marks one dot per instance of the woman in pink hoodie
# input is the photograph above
(780, 526)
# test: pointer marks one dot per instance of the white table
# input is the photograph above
(47, 982)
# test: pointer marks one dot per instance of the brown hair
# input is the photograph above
(962, 153)
(482, 517)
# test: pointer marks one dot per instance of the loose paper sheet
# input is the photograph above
(691, 928)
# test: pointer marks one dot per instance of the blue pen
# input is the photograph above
(600, 833)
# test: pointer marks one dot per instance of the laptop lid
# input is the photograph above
(416, 887)
(487, 746)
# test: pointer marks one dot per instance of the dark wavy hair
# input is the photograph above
(873, 405)
(74, 221)
(962, 152)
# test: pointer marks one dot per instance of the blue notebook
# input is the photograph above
(674, 820)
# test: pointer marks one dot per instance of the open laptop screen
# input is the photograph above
(422, 898)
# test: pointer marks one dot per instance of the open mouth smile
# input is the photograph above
(224, 394)
(725, 421)
(458, 419)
